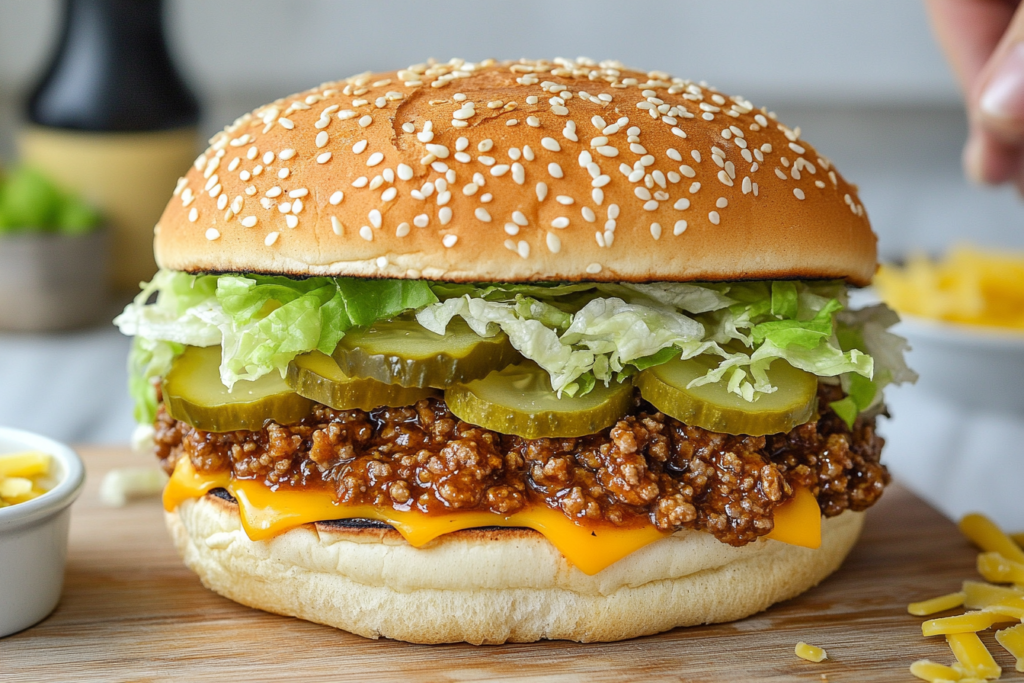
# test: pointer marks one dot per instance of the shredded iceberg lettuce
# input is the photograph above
(581, 333)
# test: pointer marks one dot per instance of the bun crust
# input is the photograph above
(395, 175)
(494, 585)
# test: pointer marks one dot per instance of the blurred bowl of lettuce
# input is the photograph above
(963, 314)
(53, 256)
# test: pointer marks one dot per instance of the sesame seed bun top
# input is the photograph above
(516, 171)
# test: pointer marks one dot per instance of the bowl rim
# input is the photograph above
(56, 499)
(944, 331)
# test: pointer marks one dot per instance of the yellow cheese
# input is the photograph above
(989, 537)
(969, 622)
(1013, 640)
(998, 569)
(972, 653)
(933, 672)
(936, 605)
(798, 521)
(979, 595)
(266, 513)
(811, 653)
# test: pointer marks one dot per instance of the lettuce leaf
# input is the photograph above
(581, 333)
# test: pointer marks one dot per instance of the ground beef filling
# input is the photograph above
(647, 468)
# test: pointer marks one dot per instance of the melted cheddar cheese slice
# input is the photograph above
(266, 513)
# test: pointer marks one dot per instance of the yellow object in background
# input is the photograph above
(21, 476)
(969, 285)
(811, 653)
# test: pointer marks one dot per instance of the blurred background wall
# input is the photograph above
(863, 78)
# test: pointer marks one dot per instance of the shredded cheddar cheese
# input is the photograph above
(811, 653)
(998, 569)
(934, 672)
(972, 653)
(22, 476)
(971, 622)
(990, 604)
(935, 605)
(969, 285)
(1013, 640)
(986, 535)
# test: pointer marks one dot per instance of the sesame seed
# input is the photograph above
(375, 218)
(518, 173)
(449, 240)
(555, 171)
(374, 159)
(542, 191)
(193, 215)
(366, 233)
(284, 207)
(550, 144)
(443, 197)
(482, 214)
(680, 228)
(359, 147)
(440, 151)
(594, 268)
(519, 218)
(512, 122)
(222, 202)
(724, 178)
(336, 198)
(402, 230)
(798, 193)
(388, 194)
(651, 206)
(597, 194)
(337, 226)
(409, 127)
(642, 193)
(533, 121)
(696, 155)
(554, 243)
(523, 249)
(244, 175)
(564, 200)
(297, 206)
(323, 158)
(560, 222)
(421, 221)
(445, 215)
(365, 121)
(796, 148)
(656, 230)
(404, 172)
(291, 221)
(382, 262)
(607, 151)
(532, 99)
(249, 222)
(588, 214)
(714, 218)
(286, 123)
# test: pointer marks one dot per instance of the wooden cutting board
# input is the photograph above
(131, 611)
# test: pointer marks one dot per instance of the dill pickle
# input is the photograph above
(518, 399)
(317, 377)
(715, 408)
(193, 393)
(404, 352)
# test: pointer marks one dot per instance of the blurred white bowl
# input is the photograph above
(957, 436)
(34, 535)
(979, 368)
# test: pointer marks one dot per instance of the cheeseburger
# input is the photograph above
(504, 351)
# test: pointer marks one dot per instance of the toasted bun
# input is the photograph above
(494, 585)
(528, 184)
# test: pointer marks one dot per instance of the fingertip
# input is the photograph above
(987, 160)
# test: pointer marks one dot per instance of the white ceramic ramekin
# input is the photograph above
(34, 536)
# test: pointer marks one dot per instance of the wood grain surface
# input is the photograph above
(132, 612)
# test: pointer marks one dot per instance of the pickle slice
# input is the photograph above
(519, 400)
(404, 352)
(193, 393)
(716, 409)
(317, 377)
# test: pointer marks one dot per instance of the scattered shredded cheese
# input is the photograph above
(1002, 561)
(936, 605)
(811, 653)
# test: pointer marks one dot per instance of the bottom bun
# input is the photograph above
(494, 585)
